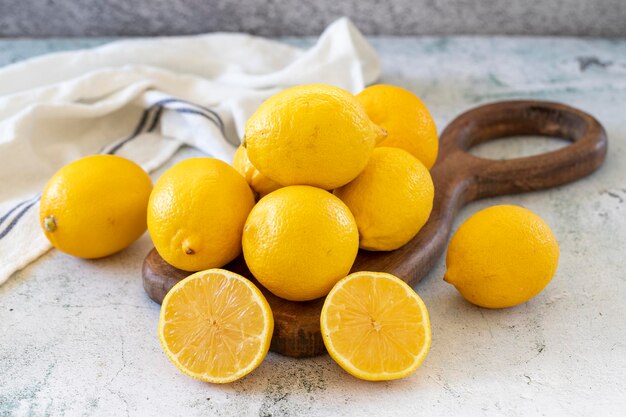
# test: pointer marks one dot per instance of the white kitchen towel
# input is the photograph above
(142, 99)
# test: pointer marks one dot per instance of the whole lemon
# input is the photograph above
(196, 213)
(259, 183)
(502, 256)
(406, 119)
(312, 134)
(299, 241)
(391, 199)
(95, 206)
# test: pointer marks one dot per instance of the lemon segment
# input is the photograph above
(215, 326)
(375, 326)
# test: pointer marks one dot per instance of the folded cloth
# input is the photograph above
(143, 99)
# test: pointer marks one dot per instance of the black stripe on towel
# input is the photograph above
(156, 120)
(199, 113)
(159, 105)
(138, 129)
(17, 218)
(213, 113)
(11, 210)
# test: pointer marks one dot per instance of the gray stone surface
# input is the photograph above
(79, 337)
(294, 17)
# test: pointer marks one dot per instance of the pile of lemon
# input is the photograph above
(320, 174)
(316, 159)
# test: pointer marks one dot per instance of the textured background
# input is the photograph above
(293, 17)
(78, 337)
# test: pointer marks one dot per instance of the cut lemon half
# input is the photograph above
(375, 326)
(215, 326)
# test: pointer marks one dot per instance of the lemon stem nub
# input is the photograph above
(187, 248)
(50, 224)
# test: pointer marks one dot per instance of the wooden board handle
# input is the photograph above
(522, 118)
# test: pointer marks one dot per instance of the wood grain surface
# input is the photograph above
(459, 178)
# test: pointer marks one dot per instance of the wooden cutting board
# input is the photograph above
(459, 178)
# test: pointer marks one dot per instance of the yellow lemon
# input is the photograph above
(299, 241)
(259, 183)
(196, 213)
(406, 119)
(391, 199)
(215, 326)
(312, 134)
(375, 326)
(95, 206)
(502, 256)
